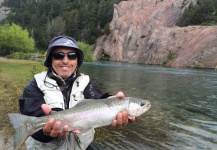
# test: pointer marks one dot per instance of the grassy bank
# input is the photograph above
(14, 75)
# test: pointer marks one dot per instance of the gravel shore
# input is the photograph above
(6, 142)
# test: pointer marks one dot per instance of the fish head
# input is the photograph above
(137, 107)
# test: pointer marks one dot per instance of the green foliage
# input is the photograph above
(105, 58)
(84, 20)
(14, 39)
(203, 13)
(19, 55)
(88, 51)
(14, 74)
(170, 57)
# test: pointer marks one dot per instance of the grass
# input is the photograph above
(14, 75)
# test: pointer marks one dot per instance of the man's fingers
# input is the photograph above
(124, 117)
(49, 125)
(55, 131)
(119, 119)
(132, 120)
(114, 123)
(46, 109)
(120, 95)
(76, 131)
(64, 131)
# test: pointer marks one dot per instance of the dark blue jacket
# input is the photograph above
(32, 98)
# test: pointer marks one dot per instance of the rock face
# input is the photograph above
(144, 31)
(4, 11)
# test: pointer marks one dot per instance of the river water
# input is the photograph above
(183, 115)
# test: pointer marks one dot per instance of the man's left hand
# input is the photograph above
(122, 117)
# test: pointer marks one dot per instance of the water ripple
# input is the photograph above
(197, 131)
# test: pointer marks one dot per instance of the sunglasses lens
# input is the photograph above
(72, 56)
(60, 56)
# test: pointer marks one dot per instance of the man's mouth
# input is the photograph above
(64, 67)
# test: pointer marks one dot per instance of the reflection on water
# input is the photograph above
(184, 106)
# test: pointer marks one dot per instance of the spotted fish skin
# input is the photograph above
(90, 113)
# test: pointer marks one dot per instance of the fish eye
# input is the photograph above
(142, 104)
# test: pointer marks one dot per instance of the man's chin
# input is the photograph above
(65, 77)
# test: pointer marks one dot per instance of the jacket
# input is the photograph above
(43, 89)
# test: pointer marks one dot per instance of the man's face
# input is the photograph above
(64, 67)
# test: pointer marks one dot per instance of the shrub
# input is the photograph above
(88, 51)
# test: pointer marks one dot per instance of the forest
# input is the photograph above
(84, 20)
(203, 13)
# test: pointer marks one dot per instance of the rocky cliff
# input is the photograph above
(144, 31)
(4, 11)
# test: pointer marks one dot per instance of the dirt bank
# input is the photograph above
(6, 141)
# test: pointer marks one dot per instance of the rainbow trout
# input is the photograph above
(85, 115)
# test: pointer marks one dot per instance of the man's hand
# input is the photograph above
(122, 117)
(52, 127)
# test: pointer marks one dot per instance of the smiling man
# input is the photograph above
(61, 87)
(64, 66)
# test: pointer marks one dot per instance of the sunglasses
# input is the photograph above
(60, 56)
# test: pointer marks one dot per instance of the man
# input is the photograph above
(61, 87)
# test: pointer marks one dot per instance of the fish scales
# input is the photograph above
(85, 115)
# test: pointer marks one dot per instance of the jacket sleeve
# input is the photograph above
(30, 104)
(31, 100)
(93, 92)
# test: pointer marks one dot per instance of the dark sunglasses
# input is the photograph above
(60, 56)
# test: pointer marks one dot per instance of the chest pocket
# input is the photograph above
(77, 94)
(53, 98)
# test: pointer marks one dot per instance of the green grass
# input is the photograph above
(14, 75)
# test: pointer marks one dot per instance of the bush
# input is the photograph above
(88, 51)
(15, 39)
(26, 56)
(170, 57)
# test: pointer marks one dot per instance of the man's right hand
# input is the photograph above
(52, 127)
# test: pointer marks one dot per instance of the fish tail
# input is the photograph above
(18, 121)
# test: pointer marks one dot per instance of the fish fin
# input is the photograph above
(18, 122)
(86, 131)
(84, 102)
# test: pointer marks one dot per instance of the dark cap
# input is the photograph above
(64, 41)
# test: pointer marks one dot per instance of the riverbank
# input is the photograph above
(6, 141)
(14, 75)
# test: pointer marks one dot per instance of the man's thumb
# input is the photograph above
(46, 109)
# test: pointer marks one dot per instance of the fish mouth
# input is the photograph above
(148, 104)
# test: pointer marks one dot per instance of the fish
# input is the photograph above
(88, 114)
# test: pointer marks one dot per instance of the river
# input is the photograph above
(183, 115)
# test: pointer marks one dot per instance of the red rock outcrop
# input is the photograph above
(144, 31)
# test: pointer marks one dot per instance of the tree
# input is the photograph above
(203, 13)
(15, 39)
(57, 27)
(85, 20)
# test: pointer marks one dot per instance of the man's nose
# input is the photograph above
(65, 58)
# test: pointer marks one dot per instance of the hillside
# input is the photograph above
(145, 32)
(84, 20)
